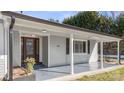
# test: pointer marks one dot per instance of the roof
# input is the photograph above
(30, 18)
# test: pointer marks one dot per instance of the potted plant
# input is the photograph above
(30, 64)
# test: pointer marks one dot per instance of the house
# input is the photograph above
(51, 43)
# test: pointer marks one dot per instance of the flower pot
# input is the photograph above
(29, 64)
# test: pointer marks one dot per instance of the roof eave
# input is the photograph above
(26, 17)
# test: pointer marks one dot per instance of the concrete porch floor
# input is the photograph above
(55, 72)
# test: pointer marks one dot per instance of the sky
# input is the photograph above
(60, 15)
(57, 15)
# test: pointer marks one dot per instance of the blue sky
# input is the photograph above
(60, 15)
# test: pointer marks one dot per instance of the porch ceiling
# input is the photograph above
(38, 28)
(77, 34)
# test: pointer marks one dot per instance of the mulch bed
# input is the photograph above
(19, 72)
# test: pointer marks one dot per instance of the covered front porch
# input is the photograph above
(65, 49)
(56, 72)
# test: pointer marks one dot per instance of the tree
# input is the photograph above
(96, 21)
(91, 20)
(120, 23)
(83, 19)
(120, 30)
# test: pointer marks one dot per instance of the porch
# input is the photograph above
(55, 72)
(62, 52)
(58, 45)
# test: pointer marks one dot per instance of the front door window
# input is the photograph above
(30, 47)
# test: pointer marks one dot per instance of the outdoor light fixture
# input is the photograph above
(44, 31)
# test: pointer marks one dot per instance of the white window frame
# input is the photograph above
(82, 52)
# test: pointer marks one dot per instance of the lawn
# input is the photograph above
(115, 75)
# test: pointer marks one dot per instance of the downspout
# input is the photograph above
(10, 63)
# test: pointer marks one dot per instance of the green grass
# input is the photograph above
(115, 75)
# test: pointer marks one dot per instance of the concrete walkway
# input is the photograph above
(55, 72)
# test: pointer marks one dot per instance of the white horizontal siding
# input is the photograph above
(58, 53)
(3, 55)
(2, 67)
(80, 58)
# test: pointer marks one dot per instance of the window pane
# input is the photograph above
(30, 46)
(81, 47)
(76, 47)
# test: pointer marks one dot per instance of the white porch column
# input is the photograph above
(71, 54)
(118, 51)
(101, 46)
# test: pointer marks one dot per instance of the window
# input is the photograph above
(79, 46)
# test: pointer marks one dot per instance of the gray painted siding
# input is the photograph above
(45, 50)
(16, 49)
(40, 49)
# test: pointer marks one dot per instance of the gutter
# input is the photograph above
(10, 63)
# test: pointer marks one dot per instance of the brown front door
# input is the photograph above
(30, 48)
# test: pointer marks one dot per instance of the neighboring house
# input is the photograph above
(51, 43)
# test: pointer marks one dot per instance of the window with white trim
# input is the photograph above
(80, 46)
